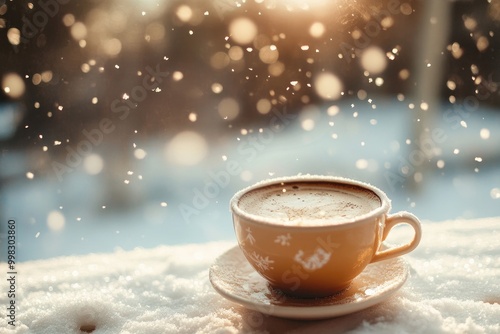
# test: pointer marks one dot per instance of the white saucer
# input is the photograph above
(234, 278)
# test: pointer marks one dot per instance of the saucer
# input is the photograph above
(234, 278)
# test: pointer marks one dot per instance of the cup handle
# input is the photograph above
(391, 221)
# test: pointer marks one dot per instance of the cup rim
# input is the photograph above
(384, 208)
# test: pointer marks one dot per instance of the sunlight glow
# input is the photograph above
(299, 4)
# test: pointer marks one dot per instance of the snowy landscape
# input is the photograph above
(172, 206)
(125, 129)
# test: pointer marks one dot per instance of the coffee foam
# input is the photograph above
(309, 204)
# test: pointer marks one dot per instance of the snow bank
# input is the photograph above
(454, 288)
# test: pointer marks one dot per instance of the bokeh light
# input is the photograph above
(374, 60)
(228, 108)
(13, 85)
(56, 221)
(187, 148)
(328, 86)
(243, 30)
(14, 36)
(269, 54)
(93, 164)
(317, 29)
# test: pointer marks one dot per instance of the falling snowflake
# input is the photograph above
(263, 263)
(250, 236)
(283, 240)
(318, 259)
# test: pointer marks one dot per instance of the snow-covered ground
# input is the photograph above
(453, 288)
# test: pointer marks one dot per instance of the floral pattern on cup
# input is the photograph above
(283, 239)
(264, 263)
(250, 238)
(317, 260)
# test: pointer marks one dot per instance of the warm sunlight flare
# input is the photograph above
(292, 5)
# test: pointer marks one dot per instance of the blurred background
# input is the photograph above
(131, 124)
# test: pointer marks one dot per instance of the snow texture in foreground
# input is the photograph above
(454, 288)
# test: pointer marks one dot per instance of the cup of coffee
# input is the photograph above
(310, 236)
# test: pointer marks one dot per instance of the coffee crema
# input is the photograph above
(309, 203)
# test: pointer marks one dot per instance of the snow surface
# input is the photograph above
(454, 288)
